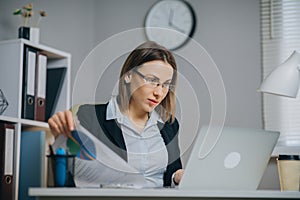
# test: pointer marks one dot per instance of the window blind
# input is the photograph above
(280, 36)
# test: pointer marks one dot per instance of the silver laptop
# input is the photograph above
(237, 160)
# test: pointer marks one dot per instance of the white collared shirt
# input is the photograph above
(146, 150)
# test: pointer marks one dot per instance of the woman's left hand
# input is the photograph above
(178, 175)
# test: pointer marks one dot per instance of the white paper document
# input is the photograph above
(97, 165)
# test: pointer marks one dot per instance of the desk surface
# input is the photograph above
(81, 193)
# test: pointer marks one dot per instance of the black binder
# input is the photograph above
(55, 80)
(7, 132)
(28, 92)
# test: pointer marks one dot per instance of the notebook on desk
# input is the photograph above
(236, 162)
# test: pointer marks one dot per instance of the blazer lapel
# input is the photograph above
(114, 133)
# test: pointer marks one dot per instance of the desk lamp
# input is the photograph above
(285, 79)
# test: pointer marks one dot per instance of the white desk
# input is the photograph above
(139, 194)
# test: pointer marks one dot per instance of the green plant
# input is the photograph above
(26, 12)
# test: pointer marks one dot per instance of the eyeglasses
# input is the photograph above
(154, 81)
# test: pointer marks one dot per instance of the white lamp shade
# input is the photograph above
(284, 80)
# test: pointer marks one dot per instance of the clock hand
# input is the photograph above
(171, 24)
(171, 17)
(177, 28)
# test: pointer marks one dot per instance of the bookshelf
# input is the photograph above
(11, 84)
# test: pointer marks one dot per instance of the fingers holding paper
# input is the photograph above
(62, 123)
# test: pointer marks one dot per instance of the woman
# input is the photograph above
(139, 124)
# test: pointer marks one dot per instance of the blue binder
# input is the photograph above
(32, 162)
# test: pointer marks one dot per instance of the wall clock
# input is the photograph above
(170, 23)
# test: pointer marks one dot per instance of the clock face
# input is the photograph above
(170, 23)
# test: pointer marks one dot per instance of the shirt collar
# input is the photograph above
(113, 112)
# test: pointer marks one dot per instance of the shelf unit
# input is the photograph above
(11, 73)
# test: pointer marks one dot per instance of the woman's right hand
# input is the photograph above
(61, 123)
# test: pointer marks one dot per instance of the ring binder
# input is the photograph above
(29, 69)
(7, 132)
(40, 87)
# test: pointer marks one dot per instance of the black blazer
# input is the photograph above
(93, 118)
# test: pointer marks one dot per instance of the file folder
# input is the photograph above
(32, 162)
(40, 87)
(29, 68)
(55, 80)
(7, 132)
